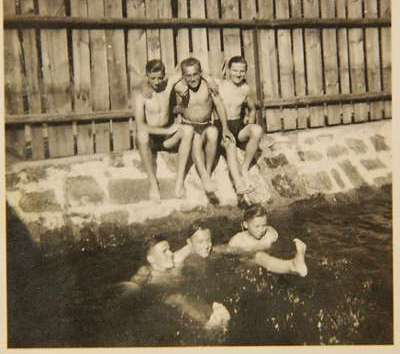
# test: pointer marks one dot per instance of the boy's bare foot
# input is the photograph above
(299, 264)
(209, 186)
(179, 190)
(154, 193)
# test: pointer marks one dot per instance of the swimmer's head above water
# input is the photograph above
(255, 221)
(159, 254)
(200, 241)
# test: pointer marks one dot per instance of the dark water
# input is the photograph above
(345, 299)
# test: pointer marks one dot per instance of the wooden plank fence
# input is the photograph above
(71, 66)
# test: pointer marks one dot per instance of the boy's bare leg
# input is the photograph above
(184, 135)
(234, 167)
(147, 159)
(253, 133)
(296, 265)
(199, 161)
(211, 137)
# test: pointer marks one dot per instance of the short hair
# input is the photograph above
(196, 227)
(190, 62)
(237, 59)
(152, 241)
(254, 211)
(155, 65)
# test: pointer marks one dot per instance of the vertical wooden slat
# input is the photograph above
(56, 80)
(373, 60)
(199, 35)
(81, 64)
(32, 69)
(289, 116)
(215, 58)
(116, 63)
(344, 68)
(314, 62)
(99, 77)
(13, 79)
(386, 56)
(153, 35)
(182, 40)
(167, 38)
(299, 68)
(248, 12)
(269, 65)
(230, 9)
(330, 62)
(356, 58)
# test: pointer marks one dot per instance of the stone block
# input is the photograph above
(324, 138)
(12, 180)
(379, 143)
(285, 186)
(335, 151)
(138, 165)
(309, 141)
(35, 174)
(352, 173)
(83, 189)
(167, 188)
(372, 164)
(128, 190)
(319, 181)
(276, 161)
(338, 178)
(116, 160)
(38, 202)
(119, 217)
(310, 155)
(357, 145)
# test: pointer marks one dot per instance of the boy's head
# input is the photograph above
(237, 67)
(255, 221)
(200, 241)
(191, 72)
(155, 72)
(159, 254)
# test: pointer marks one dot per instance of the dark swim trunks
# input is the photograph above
(157, 141)
(235, 126)
(199, 128)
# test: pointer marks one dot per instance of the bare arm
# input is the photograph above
(220, 108)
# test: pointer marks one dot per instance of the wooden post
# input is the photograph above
(331, 69)
(215, 57)
(230, 9)
(314, 62)
(99, 77)
(269, 62)
(299, 65)
(199, 35)
(373, 60)
(166, 38)
(153, 35)
(183, 34)
(386, 56)
(356, 56)
(289, 116)
(56, 79)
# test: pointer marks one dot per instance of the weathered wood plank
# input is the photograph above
(81, 64)
(199, 35)
(167, 38)
(56, 79)
(299, 65)
(116, 63)
(289, 116)
(13, 79)
(269, 61)
(215, 58)
(99, 77)
(153, 35)
(32, 87)
(373, 60)
(330, 62)
(314, 62)
(230, 9)
(249, 11)
(344, 66)
(386, 56)
(356, 58)
(182, 41)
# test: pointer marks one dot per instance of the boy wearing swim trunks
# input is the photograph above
(237, 98)
(154, 131)
(196, 101)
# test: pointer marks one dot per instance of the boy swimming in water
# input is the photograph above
(258, 237)
(237, 98)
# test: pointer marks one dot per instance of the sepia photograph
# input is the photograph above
(200, 174)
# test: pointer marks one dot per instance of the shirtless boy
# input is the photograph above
(153, 132)
(235, 94)
(196, 101)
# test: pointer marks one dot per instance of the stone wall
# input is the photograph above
(60, 198)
